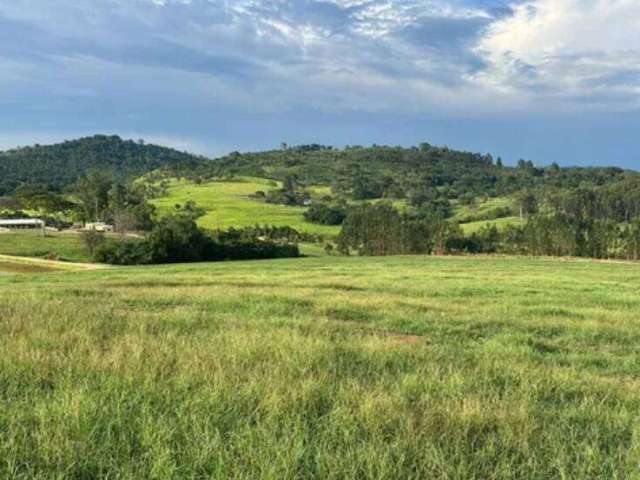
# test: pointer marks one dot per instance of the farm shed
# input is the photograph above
(21, 224)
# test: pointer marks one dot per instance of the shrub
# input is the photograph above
(92, 240)
(324, 214)
(123, 252)
(177, 239)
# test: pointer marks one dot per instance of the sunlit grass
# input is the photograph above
(500, 223)
(405, 367)
(481, 209)
(62, 246)
(228, 204)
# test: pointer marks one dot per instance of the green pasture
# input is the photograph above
(228, 204)
(397, 367)
(56, 246)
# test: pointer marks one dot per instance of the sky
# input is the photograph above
(543, 80)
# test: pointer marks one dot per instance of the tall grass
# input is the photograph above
(407, 367)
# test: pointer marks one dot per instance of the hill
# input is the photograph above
(358, 172)
(468, 188)
(397, 367)
(57, 167)
(417, 173)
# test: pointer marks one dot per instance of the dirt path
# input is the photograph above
(38, 263)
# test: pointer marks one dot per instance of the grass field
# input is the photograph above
(481, 210)
(473, 217)
(227, 204)
(62, 246)
(405, 367)
(472, 227)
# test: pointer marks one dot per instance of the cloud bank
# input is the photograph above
(149, 62)
(333, 54)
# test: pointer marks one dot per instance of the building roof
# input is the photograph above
(20, 222)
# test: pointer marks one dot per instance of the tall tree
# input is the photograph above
(93, 192)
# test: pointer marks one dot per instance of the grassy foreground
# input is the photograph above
(406, 367)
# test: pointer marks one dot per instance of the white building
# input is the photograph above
(22, 224)
(99, 227)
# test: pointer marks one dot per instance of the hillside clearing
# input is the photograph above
(399, 367)
(500, 223)
(228, 204)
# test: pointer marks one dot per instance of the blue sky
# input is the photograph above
(546, 80)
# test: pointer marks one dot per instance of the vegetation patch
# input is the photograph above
(230, 204)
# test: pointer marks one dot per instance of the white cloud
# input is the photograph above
(584, 53)
(400, 56)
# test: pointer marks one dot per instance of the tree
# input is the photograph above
(371, 230)
(631, 240)
(324, 214)
(92, 241)
(379, 229)
(38, 197)
(93, 192)
(177, 238)
(128, 208)
(290, 184)
(528, 203)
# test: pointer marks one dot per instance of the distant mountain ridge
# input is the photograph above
(58, 166)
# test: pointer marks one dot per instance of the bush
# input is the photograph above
(256, 250)
(324, 214)
(123, 252)
(285, 197)
(92, 240)
(177, 239)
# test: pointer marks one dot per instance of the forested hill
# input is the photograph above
(57, 167)
(419, 174)
(396, 172)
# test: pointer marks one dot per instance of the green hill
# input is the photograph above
(398, 172)
(470, 188)
(59, 166)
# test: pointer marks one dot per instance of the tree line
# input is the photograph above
(380, 229)
(176, 238)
